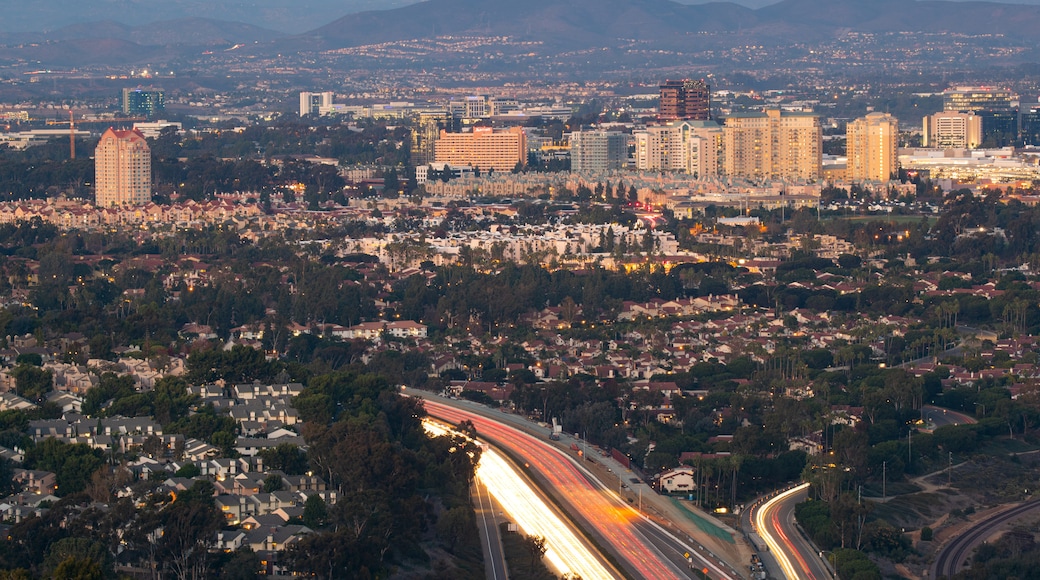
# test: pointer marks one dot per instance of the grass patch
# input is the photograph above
(519, 559)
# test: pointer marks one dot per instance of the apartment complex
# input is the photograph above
(483, 148)
(123, 169)
(872, 147)
(773, 144)
(953, 130)
(691, 147)
(686, 99)
(598, 150)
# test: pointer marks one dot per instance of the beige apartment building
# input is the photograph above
(123, 169)
(953, 130)
(681, 146)
(773, 144)
(872, 147)
(484, 148)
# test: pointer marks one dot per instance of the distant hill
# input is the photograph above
(647, 27)
(573, 23)
(286, 16)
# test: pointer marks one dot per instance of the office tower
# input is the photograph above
(684, 146)
(953, 130)
(686, 99)
(1029, 123)
(997, 108)
(483, 148)
(471, 107)
(871, 144)
(139, 102)
(122, 169)
(774, 144)
(428, 127)
(312, 103)
(598, 151)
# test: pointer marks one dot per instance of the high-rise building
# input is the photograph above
(122, 169)
(139, 102)
(598, 150)
(684, 100)
(683, 146)
(428, 127)
(483, 148)
(312, 103)
(997, 108)
(1029, 124)
(963, 99)
(773, 144)
(872, 143)
(953, 130)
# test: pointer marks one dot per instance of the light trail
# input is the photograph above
(564, 550)
(612, 519)
(775, 544)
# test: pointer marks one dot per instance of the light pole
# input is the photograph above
(884, 474)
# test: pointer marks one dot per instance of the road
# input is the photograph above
(951, 559)
(491, 543)
(940, 417)
(775, 524)
(642, 547)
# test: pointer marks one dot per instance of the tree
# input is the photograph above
(454, 525)
(189, 525)
(535, 548)
(73, 568)
(315, 512)
(272, 483)
(32, 382)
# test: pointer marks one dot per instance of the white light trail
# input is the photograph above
(564, 550)
(771, 541)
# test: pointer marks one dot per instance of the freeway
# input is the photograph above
(491, 543)
(774, 522)
(952, 556)
(645, 549)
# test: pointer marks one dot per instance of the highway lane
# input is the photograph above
(491, 542)
(611, 520)
(951, 559)
(774, 522)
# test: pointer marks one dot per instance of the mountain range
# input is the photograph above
(555, 25)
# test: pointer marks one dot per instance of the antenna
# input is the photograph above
(72, 134)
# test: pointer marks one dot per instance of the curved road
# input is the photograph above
(645, 549)
(951, 558)
(940, 417)
(774, 522)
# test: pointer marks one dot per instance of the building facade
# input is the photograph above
(686, 99)
(773, 144)
(953, 130)
(483, 148)
(428, 127)
(313, 103)
(140, 102)
(997, 108)
(123, 169)
(598, 150)
(684, 146)
(872, 148)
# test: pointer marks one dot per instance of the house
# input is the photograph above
(677, 480)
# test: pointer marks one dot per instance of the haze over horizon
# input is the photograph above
(286, 16)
